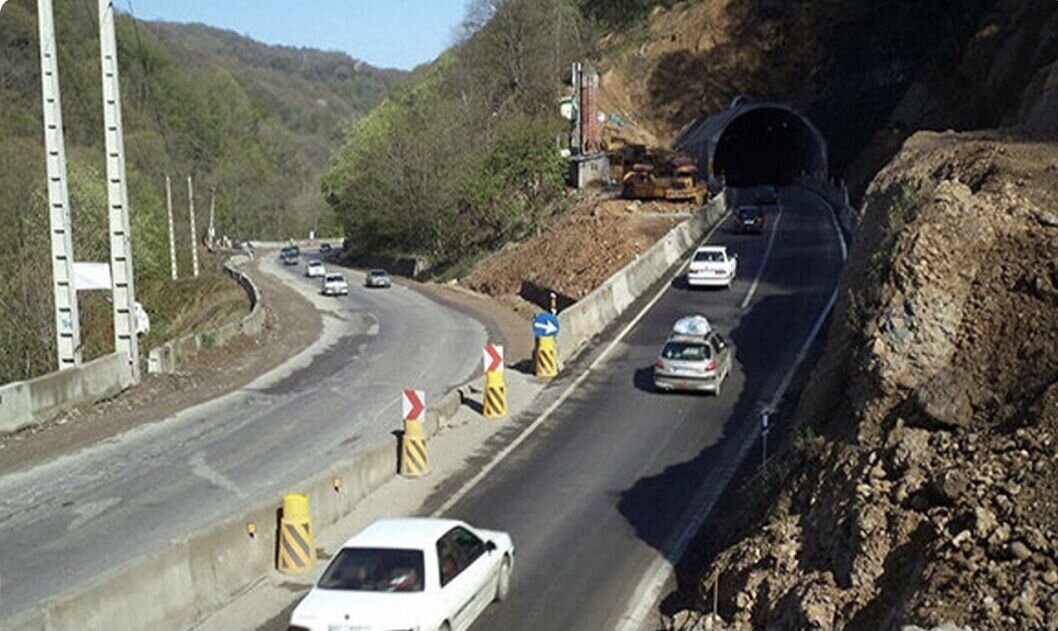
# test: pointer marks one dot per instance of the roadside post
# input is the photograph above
(545, 330)
(297, 546)
(765, 428)
(495, 405)
(414, 458)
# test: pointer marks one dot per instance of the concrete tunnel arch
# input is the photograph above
(753, 143)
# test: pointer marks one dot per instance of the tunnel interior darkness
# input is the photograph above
(768, 145)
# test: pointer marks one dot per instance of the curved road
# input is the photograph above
(65, 521)
(604, 492)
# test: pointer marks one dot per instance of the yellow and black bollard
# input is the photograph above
(495, 395)
(546, 358)
(297, 546)
(414, 458)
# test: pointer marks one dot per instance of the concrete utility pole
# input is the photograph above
(121, 271)
(64, 291)
(194, 231)
(172, 233)
(211, 231)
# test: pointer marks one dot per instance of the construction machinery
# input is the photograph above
(642, 182)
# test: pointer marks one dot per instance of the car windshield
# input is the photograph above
(748, 213)
(334, 278)
(375, 570)
(686, 351)
(378, 272)
(709, 257)
(315, 264)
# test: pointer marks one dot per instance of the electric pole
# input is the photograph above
(121, 271)
(172, 234)
(64, 290)
(194, 235)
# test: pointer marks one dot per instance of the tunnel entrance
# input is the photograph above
(768, 144)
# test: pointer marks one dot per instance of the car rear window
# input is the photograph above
(378, 272)
(709, 257)
(686, 351)
(375, 570)
(748, 213)
(334, 278)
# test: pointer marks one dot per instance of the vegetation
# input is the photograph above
(256, 123)
(466, 158)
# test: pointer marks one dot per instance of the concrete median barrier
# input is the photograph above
(592, 314)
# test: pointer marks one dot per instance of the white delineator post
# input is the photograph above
(211, 232)
(67, 318)
(121, 271)
(194, 231)
(172, 233)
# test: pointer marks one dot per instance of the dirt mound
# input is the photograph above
(579, 251)
(928, 491)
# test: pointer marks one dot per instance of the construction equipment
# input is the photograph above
(685, 186)
(642, 182)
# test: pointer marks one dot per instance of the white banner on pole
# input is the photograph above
(91, 276)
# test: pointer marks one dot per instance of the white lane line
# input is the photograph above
(764, 263)
(657, 576)
(506, 451)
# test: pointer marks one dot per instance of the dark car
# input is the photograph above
(766, 196)
(749, 219)
(289, 255)
(325, 249)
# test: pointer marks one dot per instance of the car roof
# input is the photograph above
(315, 262)
(378, 271)
(412, 532)
(712, 248)
(684, 338)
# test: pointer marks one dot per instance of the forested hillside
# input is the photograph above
(254, 122)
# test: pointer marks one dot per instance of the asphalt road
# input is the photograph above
(600, 491)
(65, 521)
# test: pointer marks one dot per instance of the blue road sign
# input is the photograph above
(545, 324)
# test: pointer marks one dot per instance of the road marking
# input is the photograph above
(764, 263)
(90, 510)
(650, 587)
(506, 451)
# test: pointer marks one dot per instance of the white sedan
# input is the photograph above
(712, 266)
(414, 574)
(315, 269)
(334, 285)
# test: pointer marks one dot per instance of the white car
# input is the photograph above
(334, 285)
(315, 269)
(425, 574)
(712, 266)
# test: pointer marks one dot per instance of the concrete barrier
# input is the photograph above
(592, 314)
(168, 357)
(192, 577)
(24, 403)
(837, 195)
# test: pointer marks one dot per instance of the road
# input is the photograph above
(65, 521)
(600, 491)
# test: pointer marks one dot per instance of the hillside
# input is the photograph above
(254, 122)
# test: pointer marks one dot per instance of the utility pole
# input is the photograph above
(64, 291)
(172, 234)
(121, 270)
(211, 232)
(194, 235)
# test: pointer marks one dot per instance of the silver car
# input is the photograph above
(694, 363)
(377, 278)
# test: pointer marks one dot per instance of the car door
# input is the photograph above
(723, 354)
(458, 585)
(481, 568)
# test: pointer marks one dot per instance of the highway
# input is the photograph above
(602, 491)
(67, 520)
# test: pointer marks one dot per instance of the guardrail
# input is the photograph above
(168, 357)
(23, 403)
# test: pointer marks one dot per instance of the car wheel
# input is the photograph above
(503, 583)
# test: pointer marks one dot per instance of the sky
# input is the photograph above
(384, 33)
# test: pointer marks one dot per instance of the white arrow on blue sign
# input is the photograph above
(545, 324)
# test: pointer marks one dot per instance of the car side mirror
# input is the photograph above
(490, 546)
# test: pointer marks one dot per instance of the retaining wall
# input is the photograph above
(23, 403)
(593, 313)
(168, 357)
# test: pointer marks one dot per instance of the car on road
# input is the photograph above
(325, 249)
(749, 219)
(378, 278)
(334, 285)
(766, 196)
(289, 256)
(693, 360)
(712, 266)
(426, 574)
(315, 269)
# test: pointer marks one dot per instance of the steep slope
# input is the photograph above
(253, 122)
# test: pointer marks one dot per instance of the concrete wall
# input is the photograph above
(24, 403)
(182, 583)
(168, 357)
(837, 194)
(593, 313)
